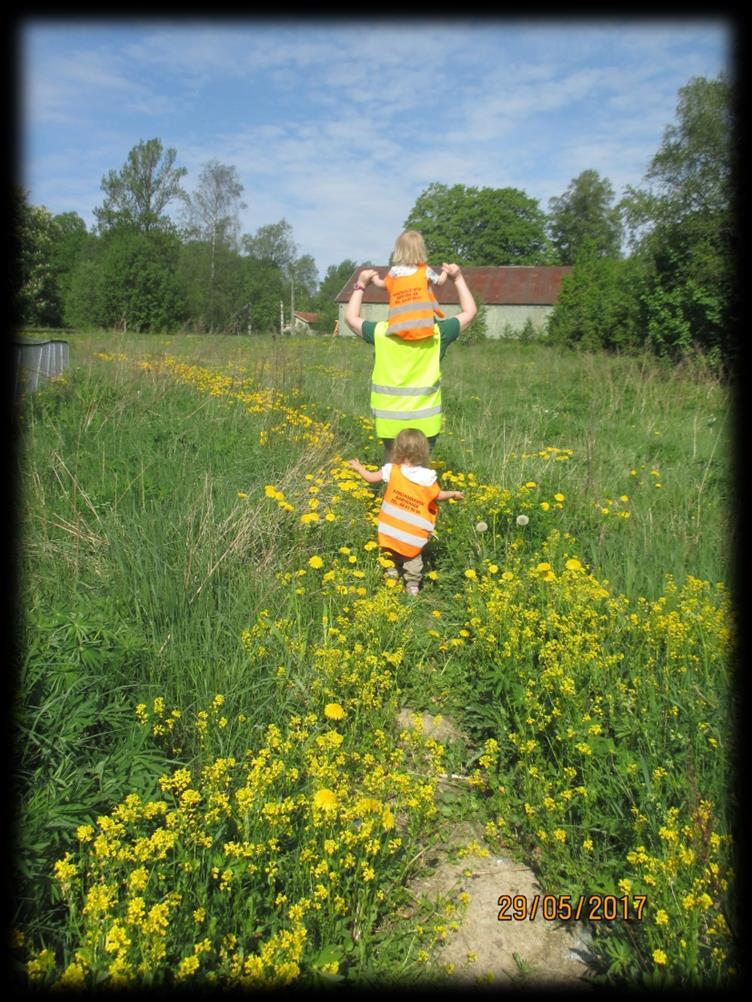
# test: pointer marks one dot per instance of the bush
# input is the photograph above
(599, 306)
(478, 329)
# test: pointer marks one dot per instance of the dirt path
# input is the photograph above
(484, 950)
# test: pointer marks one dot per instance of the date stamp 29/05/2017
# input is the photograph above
(563, 907)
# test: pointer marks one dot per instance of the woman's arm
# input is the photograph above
(353, 318)
(468, 308)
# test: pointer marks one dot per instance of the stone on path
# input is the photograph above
(507, 953)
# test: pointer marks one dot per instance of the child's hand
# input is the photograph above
(450, 496)
(368, 275)
(369, 476)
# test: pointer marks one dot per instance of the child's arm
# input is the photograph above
(450, 495)
(372, 476)
(379, 282)
(441, 278)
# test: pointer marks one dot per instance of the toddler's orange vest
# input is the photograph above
(412, 305)
(408, 514)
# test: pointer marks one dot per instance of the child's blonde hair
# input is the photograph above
(411, 446)
(409, 248)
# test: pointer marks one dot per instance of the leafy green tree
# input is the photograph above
(303, 278)
(331, 284)
(138, 194)
(71, 241)
(682, 224)
(273, 253)
(599, 305)
(38, 293)
(211, 266)
(273, 243)
(129, 282)
(264, 289)
(211, 307)
(480, 226)
(585, 219)
(86, 299)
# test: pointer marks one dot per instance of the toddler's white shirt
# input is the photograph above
(419, 475)
(402, 270)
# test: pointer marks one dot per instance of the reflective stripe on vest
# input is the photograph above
(412, 305)
(406, 383)
(405, 391)
(407, 516)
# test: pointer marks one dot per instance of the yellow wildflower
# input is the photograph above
(325, 799)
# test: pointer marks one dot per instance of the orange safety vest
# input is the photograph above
(408, 514)
(412, 305)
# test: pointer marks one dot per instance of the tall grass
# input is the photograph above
(192, 539)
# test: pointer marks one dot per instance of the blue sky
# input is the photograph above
(337, 126)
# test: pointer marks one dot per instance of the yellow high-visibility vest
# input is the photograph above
(405, 383)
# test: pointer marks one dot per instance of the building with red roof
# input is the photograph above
(511, 294)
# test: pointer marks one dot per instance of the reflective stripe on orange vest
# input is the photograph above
(407, 516)
(412, 305)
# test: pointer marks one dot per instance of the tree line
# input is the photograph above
(653, 269)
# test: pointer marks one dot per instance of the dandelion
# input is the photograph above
(481, 527)
(659, 957)
(470, 574)
(522, 520)
(558, 497)
(326, 800)
(573, 564)
(334, 711)
(316, 562)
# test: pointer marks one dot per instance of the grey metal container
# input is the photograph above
(38, 360)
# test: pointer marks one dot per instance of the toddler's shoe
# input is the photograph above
(391, 572)
(411, 589)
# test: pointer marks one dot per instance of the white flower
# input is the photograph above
(481, 527)
(522, 520)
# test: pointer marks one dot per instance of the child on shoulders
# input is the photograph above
(410, 283)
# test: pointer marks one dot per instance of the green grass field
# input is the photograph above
(214, 785)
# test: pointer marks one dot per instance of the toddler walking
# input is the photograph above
(409, 282)
(408, 511)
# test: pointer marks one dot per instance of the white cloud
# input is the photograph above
(338, 126)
